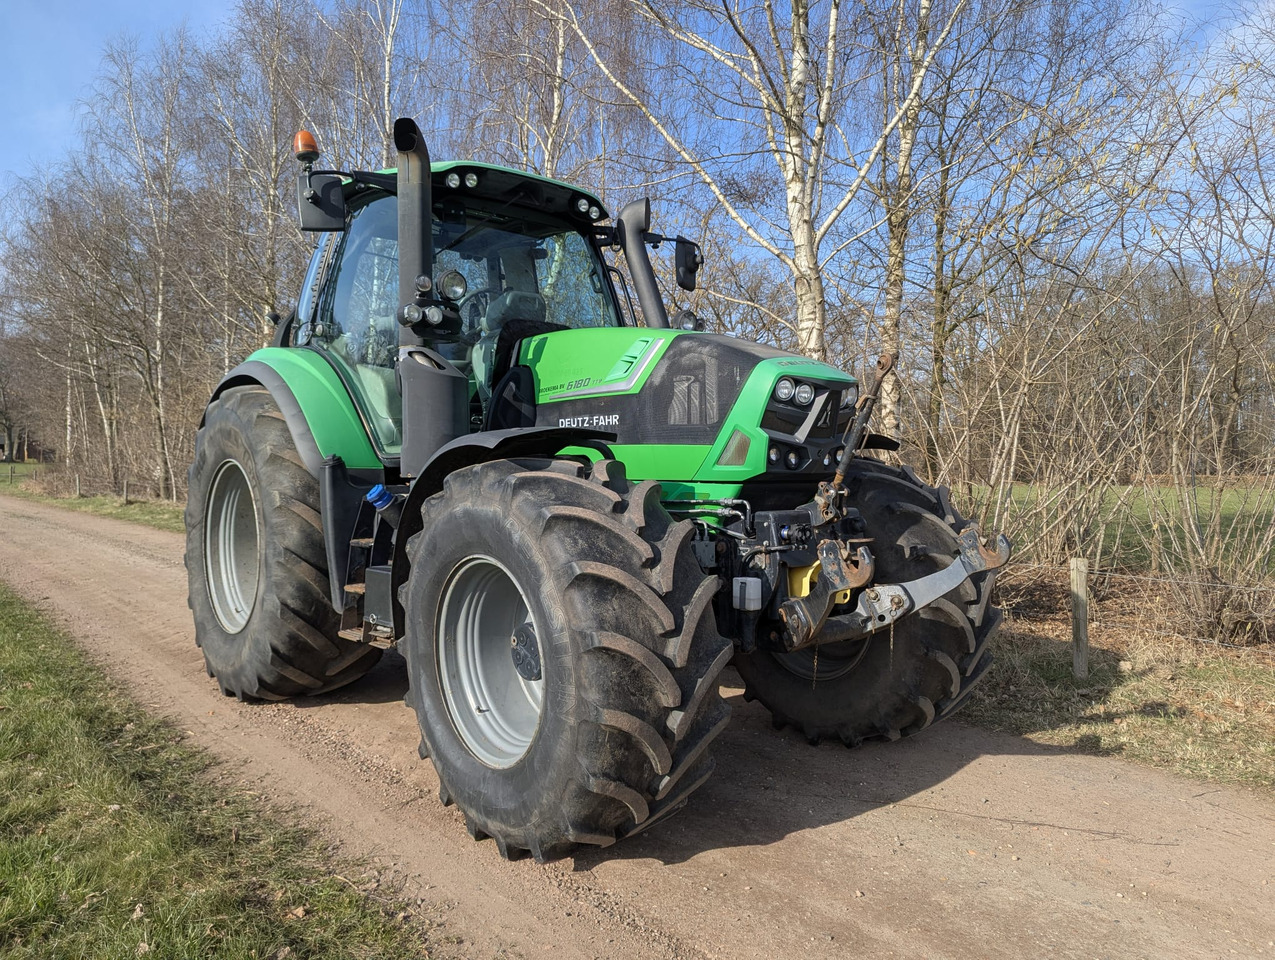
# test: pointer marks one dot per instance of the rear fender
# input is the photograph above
(315, 404)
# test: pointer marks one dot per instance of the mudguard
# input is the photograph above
(314, 402)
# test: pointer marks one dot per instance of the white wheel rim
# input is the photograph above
(494, 709)
(231, 561)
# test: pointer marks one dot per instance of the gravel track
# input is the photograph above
(959, 843)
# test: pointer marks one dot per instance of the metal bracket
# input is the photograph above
(804, 617)
(884, 604)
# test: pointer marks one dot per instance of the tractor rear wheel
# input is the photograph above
(892, 683)
(255, 558)
(562, 653)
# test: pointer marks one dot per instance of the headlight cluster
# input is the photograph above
(793, 459)
(588, 208)
(455, 178)
(787, 389)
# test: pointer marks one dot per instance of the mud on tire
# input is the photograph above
(887, 686)
(623, 624)
(255, 558)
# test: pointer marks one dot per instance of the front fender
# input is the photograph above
(469, 451)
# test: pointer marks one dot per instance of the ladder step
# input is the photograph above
(359, 588)
(362, 543)
(353, 634)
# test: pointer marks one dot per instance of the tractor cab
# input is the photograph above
(508, 263)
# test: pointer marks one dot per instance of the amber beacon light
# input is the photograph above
(304, 147)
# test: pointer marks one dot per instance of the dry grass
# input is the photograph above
(1203, 710)
(160, 514)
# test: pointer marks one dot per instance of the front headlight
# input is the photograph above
(452, 285)
(849, 396)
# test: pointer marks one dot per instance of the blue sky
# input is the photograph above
(50, 52)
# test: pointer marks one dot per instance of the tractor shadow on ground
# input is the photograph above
(770, 784)
(384, 683)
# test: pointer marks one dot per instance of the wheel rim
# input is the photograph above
(231, 561)
(493, 707)
(835, 659)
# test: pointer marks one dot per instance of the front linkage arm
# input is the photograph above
(808, 619)
(803, 618)
(881, 605)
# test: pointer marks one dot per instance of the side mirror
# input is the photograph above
(688, 258)
(320, 202)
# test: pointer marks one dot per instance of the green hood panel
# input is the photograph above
(593, 361)
(674, 398)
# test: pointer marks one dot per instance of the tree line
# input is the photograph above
(1058, 213)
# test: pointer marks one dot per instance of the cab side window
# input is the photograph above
(355, 322)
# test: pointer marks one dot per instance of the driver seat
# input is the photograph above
(508, 306)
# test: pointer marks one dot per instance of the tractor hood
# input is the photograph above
(690, 408)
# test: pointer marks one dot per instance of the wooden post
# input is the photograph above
(77, 486)
(12, 470)
(1080, 617)
(126, 492)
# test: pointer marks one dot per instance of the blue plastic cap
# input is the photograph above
(379, 497)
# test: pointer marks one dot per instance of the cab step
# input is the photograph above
(374, 639)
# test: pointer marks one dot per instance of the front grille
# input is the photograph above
(792, 420)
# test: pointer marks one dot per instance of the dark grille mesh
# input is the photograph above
(685, 400)
(788, 418)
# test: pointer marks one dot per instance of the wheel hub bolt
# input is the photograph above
(525, 650)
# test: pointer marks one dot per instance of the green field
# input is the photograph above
(1140, 526)
(118, 840)
(19, 471)
(160, 514)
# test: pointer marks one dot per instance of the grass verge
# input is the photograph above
(116, 841)
(17, 469)
(1202, 711)
(160, 514)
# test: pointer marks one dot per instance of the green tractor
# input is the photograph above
(462, 443)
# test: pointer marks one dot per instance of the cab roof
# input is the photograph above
(500, 184)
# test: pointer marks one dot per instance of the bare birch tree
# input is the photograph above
(770, 130)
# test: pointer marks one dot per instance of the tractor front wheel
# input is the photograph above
(895, 682)
(562, 653)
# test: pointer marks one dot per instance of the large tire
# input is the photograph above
(897, 683)
(255, 558)
(612, 737)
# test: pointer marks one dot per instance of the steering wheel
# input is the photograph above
(472, 307)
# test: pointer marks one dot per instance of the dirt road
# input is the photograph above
(958, 844)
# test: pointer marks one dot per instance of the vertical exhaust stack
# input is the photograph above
(634, 221)
(415, 236)
(435, 393)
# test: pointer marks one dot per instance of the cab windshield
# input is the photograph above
(540, 274)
